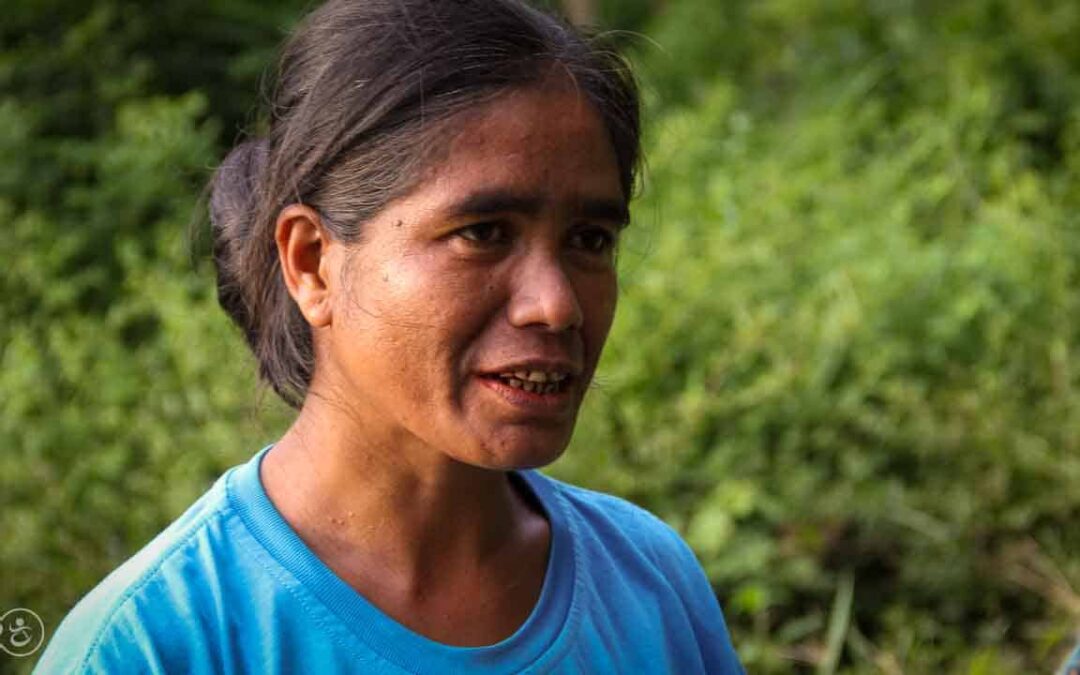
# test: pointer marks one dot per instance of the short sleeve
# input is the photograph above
(689, 581)
(84, 645)
(1072, 664)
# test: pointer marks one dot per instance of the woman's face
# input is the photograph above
(469, 318)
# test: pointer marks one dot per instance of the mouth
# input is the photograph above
(547, 389)
(534, 381)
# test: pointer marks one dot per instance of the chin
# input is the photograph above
(528, 450)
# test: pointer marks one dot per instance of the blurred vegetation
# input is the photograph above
(846, 359)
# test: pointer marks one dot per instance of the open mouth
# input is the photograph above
(534, 381)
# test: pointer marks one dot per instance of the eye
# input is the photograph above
(487, 233)
(593, 239)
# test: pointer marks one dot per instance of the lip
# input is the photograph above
(559, 403)
(548, 365)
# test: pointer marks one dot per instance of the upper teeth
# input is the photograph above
(536, 376)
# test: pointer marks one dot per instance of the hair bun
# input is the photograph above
(233, 189)
(234, 193)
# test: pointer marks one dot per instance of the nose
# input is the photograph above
(544, 296)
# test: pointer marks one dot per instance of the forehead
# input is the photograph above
(547, 139)
(545, 112)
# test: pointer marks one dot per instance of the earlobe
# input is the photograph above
(303, 246)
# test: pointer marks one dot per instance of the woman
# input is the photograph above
(420, 254)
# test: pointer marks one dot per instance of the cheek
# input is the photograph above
(425, 310)
(598, 297)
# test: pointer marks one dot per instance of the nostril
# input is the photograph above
(545, 296)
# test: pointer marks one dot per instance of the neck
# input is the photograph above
(386, 503)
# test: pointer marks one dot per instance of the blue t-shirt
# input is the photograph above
(1072, 664)
(230, 588)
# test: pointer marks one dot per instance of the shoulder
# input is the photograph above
(622, 526)
(1072, 663)
(625, 549)
(610, 515)
(133, 615)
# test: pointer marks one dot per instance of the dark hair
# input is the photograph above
(365, 90)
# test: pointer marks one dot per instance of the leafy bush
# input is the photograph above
(123, 390)
(845, 360)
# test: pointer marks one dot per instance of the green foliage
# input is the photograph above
(123, 392)
(847, 343)
(845, 363)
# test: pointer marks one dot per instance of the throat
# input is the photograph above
(458, 556)
(461, 600)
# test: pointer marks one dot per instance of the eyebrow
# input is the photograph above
(491, 202)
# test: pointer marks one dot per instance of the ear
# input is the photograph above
(304, 251)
